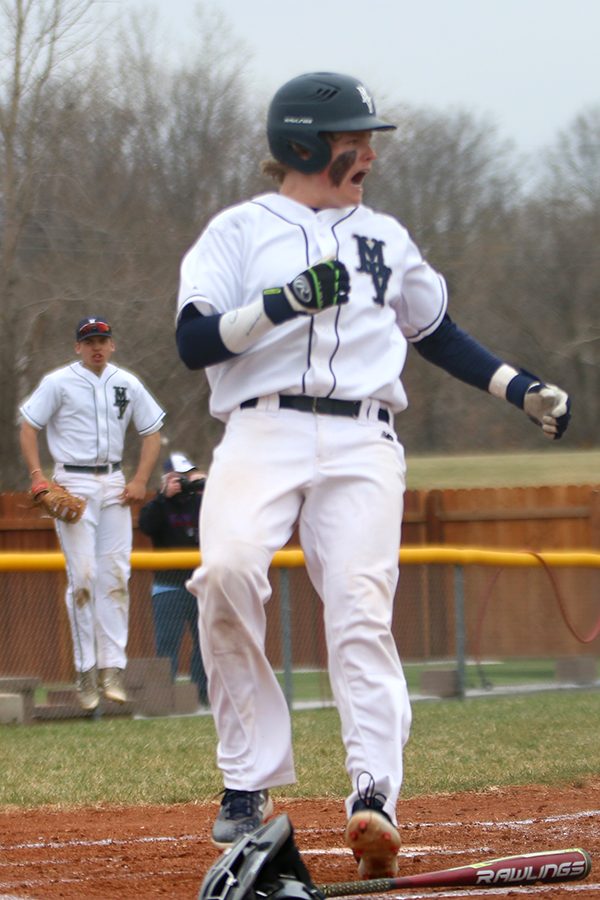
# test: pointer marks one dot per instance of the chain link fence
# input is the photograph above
(466, 620)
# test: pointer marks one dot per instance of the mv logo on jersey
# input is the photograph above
(370, 252)
(121, 400)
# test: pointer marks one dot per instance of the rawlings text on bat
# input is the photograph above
(529, 868)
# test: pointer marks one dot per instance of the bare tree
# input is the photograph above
(453, 183)
(558, 269)
(39, 38)
(109, 176)
(130, 161)
(191, 145)
(445, 175)
(572, 173)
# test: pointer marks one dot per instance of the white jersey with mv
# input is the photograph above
(86, 417)
(340, 478)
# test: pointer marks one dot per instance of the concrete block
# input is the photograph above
(141, 670)
(149, 686)
(59, 697)
(12, 711)
(576, 670)
(156, 700)
(186, 698)
(19, 683)
(26, 687)
(57, 712)
(110, 708)
(440, 682)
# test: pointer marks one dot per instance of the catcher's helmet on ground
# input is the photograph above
(265, 863)
(311, 104)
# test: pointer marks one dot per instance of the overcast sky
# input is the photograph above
(530, 66)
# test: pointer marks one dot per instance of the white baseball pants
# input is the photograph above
(97, 551)
(344, 479)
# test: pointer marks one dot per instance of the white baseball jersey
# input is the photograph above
(86, 415)
(323, 472)
(351, 352)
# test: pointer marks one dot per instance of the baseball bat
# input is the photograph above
(529, 868)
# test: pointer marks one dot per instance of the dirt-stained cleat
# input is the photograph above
(87, 689)
(372, 836)
(111, 684)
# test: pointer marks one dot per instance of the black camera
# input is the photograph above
(191, 485)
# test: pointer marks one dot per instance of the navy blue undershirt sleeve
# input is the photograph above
(198, 339)
(462, 356)
(459, 354)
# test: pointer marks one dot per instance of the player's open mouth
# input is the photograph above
(359, 177)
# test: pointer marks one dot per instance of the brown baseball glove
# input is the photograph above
(58, 502)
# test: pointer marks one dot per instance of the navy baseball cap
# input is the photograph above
(94, 326)
(178, 462)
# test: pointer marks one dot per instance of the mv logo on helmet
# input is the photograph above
(370, 252)
(366, 97)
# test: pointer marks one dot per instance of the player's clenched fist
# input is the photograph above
(549, 407)
(319, 287)
(323, 285)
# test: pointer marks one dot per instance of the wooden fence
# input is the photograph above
(523, 618)
(556, 517)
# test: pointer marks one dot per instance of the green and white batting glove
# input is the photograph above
(320, 287)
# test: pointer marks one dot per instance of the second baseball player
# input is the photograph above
(86, 408)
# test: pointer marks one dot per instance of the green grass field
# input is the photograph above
(548, 737)
(454, 746)
(547, 467)
(313, 685)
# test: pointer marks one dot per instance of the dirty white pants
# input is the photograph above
(97, 551)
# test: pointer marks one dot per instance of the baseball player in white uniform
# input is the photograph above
(86, 408)
(300, 304)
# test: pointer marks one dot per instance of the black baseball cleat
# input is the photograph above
(371, 834)
(241, 812)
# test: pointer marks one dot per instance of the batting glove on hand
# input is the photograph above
(549, 407)
(323, 285)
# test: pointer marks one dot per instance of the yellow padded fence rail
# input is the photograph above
(293, 559)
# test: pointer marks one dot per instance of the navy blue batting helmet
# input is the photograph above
(309, 105)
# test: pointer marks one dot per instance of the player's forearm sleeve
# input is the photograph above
(198, 339)
(462, 356)
(459, 354)
(207, 340)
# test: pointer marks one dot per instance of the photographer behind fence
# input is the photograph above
(171, 521)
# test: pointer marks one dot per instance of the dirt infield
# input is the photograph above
(122, 852)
